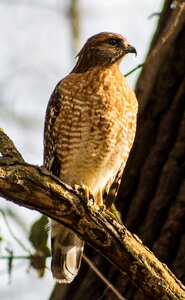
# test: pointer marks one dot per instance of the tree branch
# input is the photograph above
(35, 188)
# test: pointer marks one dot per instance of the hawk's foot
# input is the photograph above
(102, 207)
(108, 212)
(84, 191)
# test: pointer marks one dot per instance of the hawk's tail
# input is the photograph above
(67, 251)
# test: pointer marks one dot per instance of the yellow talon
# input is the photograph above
(84, 191)
(102, 206)
(108, 212)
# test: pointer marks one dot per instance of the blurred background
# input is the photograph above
(38, 43)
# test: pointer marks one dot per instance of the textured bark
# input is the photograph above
(34, 188)
(152, 194)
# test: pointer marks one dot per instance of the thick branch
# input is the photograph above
(34, 188)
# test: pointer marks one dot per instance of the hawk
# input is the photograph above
(89, 130)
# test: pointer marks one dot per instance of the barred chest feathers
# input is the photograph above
(96, 126)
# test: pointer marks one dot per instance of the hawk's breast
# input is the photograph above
(95, 128)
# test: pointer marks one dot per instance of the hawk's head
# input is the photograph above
(103, 49)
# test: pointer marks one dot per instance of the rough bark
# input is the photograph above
(34, 188)
(152, 194)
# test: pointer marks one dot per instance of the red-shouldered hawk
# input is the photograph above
(89, 130)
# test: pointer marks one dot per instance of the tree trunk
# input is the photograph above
(152, 194)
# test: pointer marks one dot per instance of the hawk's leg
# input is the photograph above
(85, 192)
(99, 201)
(102, 206)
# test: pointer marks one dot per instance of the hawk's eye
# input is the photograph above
(113, 41)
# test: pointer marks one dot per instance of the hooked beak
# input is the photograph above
(131, 49)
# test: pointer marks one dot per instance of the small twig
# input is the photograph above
(15, 257)
(8, 149)
(27, 257)
(156, 14)
(74, 16)
(88, 261)
(103, 294)
(12, 233)
(102, 277)
(133, 70)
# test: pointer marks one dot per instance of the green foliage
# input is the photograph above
(38, 238)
